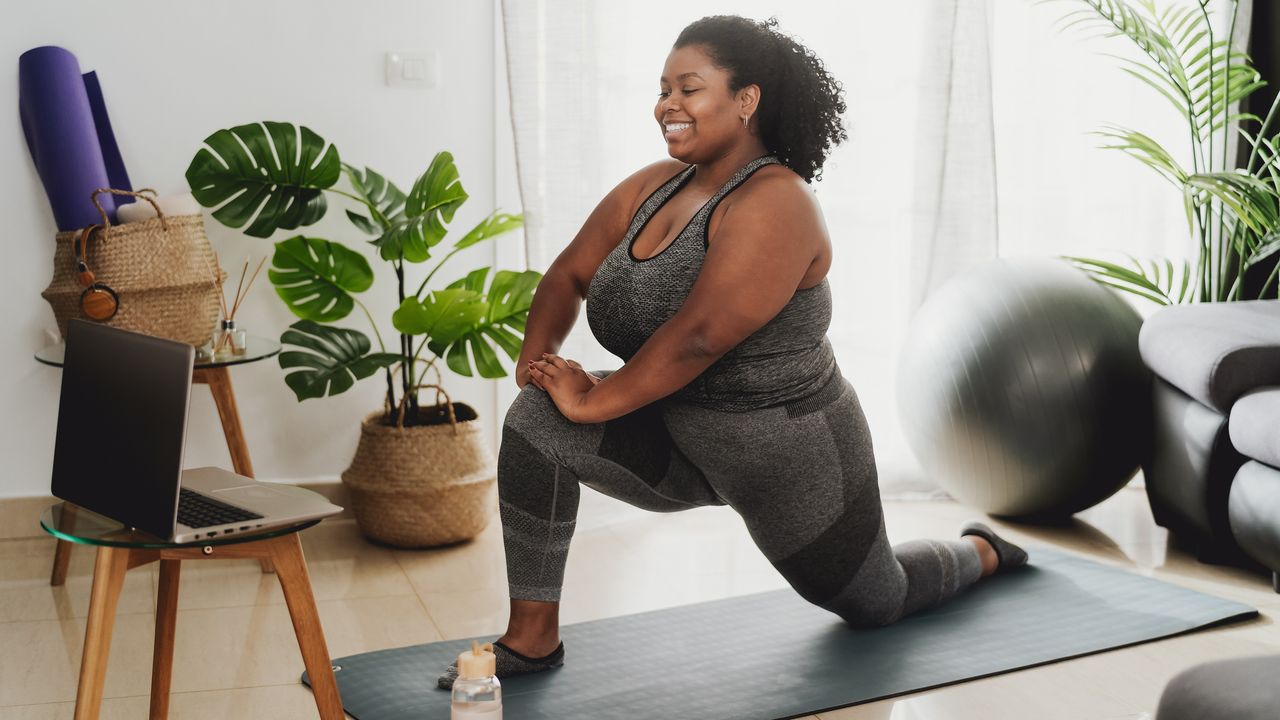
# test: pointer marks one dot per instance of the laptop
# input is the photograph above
(122, 425)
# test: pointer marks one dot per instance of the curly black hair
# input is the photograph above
(800, 102)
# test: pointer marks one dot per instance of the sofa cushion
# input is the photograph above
(1255, 425)
(1254, 508)
(1239, 689)
(1214, 352)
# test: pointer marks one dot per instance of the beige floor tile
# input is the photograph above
(477, 564)
(126, 708)
(40, 662)
(25, 592)
(223, 648)
(278, 702)
(341, 564)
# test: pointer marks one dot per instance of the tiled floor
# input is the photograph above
(236, 655)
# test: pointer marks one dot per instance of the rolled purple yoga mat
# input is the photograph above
(65, 122)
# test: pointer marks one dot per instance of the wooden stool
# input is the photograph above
(120, 550)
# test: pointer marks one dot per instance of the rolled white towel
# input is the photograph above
(139, 210)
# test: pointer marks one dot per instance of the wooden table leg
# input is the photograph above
(162, 655)
(108, 579)
(61, 560)
(219, 382)
(291, 568)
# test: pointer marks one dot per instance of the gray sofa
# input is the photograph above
(1212, 469)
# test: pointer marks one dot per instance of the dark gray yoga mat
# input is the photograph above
(773, 655)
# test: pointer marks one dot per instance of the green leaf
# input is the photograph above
(1268, 247)
(508, 301)
(493, 226)
(443, 316)
(386, 199)
(1122, 278)
(331, 359)
(315, 277)
(264, 175)
(429, 207)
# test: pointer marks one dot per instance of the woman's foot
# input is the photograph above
(996, 553)
(509, 663)
(531, 643)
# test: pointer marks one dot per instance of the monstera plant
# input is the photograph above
(271, 176)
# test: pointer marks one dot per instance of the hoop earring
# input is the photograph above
(98, 301)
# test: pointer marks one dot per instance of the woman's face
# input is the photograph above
(697, 115)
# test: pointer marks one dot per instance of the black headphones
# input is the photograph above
(98, 301)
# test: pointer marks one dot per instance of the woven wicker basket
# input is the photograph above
(424, 485)
(163, 270)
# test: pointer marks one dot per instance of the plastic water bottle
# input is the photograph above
(477, 694)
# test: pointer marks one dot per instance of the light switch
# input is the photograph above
(412, 68)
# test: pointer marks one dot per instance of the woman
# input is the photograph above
(707, 273)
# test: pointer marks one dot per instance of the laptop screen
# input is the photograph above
(122, 419)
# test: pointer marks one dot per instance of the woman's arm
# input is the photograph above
(564, 286)
(760, 252)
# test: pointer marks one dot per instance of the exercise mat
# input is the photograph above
(64, 119)
(772, 655)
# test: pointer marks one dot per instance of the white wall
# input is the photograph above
(174, 72)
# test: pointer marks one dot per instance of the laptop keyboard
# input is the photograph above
(197, 511)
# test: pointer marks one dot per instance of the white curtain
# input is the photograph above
(944, 97)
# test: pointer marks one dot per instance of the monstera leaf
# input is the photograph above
(315, 277)
(507, 308)
(430, 205)
(445, 314)
(381, 193)
(264, 172)
(337, 357)
(491, 227)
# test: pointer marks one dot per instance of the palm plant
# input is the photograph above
(1232, 211)
(270, 176)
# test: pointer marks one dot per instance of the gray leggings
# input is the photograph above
(802, 476)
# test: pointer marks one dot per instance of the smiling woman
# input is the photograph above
(706, 274)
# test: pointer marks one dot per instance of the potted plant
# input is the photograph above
(1233, 212)
(421, 475)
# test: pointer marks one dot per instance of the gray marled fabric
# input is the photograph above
(1214, 352)
(628, 299)
(1255, 425)
(802, 476)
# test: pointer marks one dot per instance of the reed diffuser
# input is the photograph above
(229, 339)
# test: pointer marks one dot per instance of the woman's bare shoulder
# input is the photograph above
(652, 176)
(779, 188)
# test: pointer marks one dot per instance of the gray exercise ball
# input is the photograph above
(1021, 390)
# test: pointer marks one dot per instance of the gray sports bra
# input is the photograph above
(788, 358)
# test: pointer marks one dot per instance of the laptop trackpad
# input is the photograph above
(248, 492)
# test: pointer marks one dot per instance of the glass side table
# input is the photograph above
(209, 370)
(120, 549)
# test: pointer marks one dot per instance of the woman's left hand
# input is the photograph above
(566, 382)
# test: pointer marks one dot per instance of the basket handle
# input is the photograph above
(404, 402)
(106, 224)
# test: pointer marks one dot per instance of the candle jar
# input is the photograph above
(228, 340)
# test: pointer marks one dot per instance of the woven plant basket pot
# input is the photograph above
(163, 271)
(422, 485)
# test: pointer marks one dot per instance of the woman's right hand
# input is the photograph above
(522, 373)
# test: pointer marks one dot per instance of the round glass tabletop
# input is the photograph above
(75, 524)
(256, 348)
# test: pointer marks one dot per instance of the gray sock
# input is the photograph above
(509, 663)
(1010, 555)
